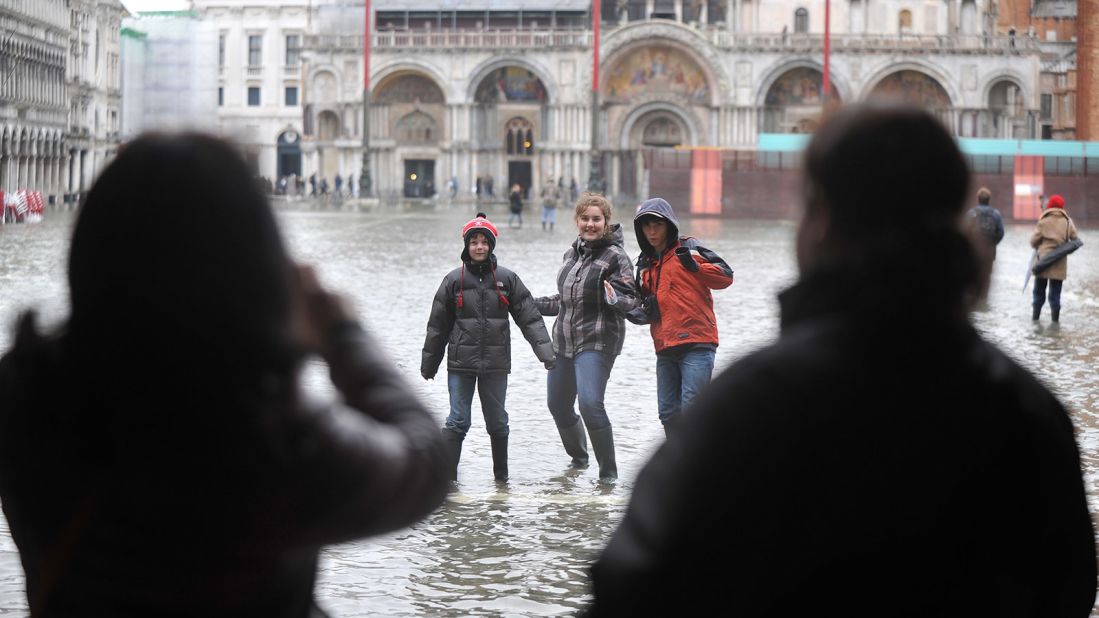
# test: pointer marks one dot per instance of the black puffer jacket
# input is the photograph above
(475, 331)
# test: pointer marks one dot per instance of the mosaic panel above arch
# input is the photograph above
(653, 70)
(408, 88)
(511, 84)
(914, 87)
(797, 87)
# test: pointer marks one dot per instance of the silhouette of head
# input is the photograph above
(176, 257)
(884, 187)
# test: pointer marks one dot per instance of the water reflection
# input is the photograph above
(524, 550)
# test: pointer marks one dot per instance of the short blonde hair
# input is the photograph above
(984, 196)
(588, 199)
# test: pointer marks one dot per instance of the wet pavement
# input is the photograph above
(523, 550)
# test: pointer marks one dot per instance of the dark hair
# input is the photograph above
(894, 184)
(177, 264)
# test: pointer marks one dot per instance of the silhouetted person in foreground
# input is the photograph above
(157, 456)
(880, 458)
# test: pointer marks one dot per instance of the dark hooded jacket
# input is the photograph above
(585, 320)
(681, 292)
(826, 472)
(469, 319)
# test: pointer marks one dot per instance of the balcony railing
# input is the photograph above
(928, 43)
(456, 39)
(295, 70)
(253, 71)
(719, 37)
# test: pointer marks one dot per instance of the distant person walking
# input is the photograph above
(551, 195)
(469, 321)
(1054, 228)
(985, 222)
(515, 204)
(339, 185)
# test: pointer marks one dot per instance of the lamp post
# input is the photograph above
(596, 183)
(366, 183)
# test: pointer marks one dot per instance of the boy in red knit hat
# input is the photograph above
(469, 318)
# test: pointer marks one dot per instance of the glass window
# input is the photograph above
(1047, 106)
(253, 96)
(255, 50)
(801, 20)
(221, 96)
(291, 96)
(293, 50)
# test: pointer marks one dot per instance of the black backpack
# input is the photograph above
(984, 222)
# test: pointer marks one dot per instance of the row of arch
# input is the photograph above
(661, 69)
(519, 81)
(40, 159)
(23, 142)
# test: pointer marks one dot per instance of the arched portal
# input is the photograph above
(916, 88)
(1007, 111)
(794, 103)
(289, 154)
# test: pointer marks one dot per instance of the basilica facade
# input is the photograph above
(480, 92)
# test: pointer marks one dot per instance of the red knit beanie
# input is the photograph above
(481, 224)
(1056, 201)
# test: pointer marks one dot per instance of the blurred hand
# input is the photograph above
(318, 309)
(427, 376)
(549, 365)
(685, 258)
(612, 297)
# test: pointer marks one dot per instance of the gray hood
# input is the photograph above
(661, 208)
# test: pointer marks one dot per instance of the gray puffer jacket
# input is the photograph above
(469, 318)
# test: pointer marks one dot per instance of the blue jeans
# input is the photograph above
(1054, 292)
(493, 388)
(549, 213)
(679, 378)
(582, 379)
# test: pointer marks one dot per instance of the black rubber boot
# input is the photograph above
(453, 441)
(1037, 314)
(500, 458)
(671, 424)
(575, 443)
(1056, 313)
(602, 442)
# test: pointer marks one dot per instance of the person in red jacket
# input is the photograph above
(675, 274)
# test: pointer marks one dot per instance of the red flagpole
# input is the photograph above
(596, 12)
(827, 84)
(366, 45)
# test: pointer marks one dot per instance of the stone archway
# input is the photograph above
(794, 102)
(917, 88)
(1007, 113)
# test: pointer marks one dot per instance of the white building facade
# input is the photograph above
(488, 90)
(259, 64)
(94, 77)
(33, 95)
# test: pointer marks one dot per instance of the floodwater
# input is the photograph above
(524, 550)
